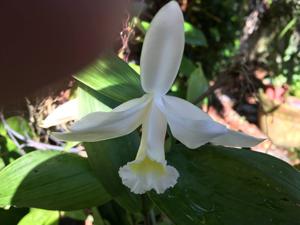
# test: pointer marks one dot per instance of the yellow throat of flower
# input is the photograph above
(147, 165)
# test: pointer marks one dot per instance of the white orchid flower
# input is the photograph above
(160, 60)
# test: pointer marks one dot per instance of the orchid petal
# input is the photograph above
(99, 126)
(189, 124)
(150, 170)
(162, 49)
(62, 114)
(236, 139)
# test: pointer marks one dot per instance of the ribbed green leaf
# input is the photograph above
(76, 215)
(227, 186)
(89, 104)
(2, 164)
(51, 180)
(40, 217)
(110, 80)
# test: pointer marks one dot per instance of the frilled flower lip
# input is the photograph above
(160, 60)
(146, 174)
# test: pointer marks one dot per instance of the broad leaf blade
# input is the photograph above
(51, 180)
(40, 217)
(110, 80)
(89, 104)
(231, 187)
(187, 66)
(194, 36)
(197, 84)
(2, 164)
(76, 215)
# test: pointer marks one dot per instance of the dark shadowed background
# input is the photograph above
(42, 41)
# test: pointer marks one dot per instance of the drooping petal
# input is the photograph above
(189, 124)
(99, 126)
(150, 170)
(62, 114)
(236, 139)
(162, 49)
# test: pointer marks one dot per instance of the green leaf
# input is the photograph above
(2, 164)
(187, 66)
(76, 215)
(219, 185)
(143, 26)
(8, 147)
(51, 180)
(106, 157)
(197, 84)
(18, 124)
(135, 67)
(89, 104)
(40, 217)
(193, 36)
(291, 24)
(111, 80)
(98, 220)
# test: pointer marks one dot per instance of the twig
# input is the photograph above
(10, 133)
(14, 135)
(43, 146)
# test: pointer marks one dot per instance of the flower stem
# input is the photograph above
(145, 210)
